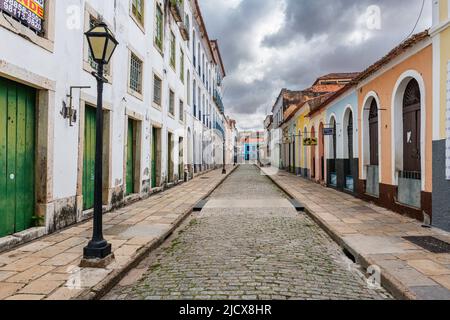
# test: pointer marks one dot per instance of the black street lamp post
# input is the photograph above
(224, 170)
(102, 45)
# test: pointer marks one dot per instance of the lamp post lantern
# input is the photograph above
(102, 45)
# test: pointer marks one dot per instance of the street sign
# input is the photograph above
(328, 131)
(310, 142)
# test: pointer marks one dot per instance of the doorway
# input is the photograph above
(156, 157)
(17, 156)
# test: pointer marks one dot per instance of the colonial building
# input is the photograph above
(440, 33)
(161, 102)
(395, 136)
(307, 104)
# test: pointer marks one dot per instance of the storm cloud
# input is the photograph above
(268, 45)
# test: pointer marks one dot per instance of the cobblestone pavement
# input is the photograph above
(247, 244)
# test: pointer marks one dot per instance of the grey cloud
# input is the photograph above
(305, 21)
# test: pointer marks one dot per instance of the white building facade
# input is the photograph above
(154, 124)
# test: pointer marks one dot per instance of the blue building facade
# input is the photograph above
(341, 143)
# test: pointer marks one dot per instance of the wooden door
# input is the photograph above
(89, 158)
(181, 159)
(350, 136)
(154, 155)
(411, 128)
(17, 157)
(130, 158)
(373, 134)
(170, 157)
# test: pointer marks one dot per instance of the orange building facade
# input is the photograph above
(395, 138)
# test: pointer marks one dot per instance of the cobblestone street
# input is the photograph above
(247, 243)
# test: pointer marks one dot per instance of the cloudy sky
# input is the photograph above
(268, 45)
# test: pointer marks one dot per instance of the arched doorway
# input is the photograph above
(333, 153)
(349, 150)
(313, 155)
(408, 153)
(190, 159)
(411, 128)
(373, 176)
(305, 154)
(321, 153)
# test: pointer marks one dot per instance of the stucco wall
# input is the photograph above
(338, 109)
(383, 85)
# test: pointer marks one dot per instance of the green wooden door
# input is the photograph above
(130, 159)
(89, 158)
(17, 157)
(181, 159)
(154, 152)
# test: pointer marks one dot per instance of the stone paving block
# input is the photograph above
(41, 287)
(22, 264)
(64, 293)
(49, 252)
(127, 250)
(443, 280)
(429, 268)
(62, 259)
(6, 274)
(30, 274)
(431, 293)
(26, 297)
(9, 289)
(35, 246)
(12, 256)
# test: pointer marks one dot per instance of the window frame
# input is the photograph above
(139, 23)
(160, 47)
(173, 51)
(182, 66)
(88, 13)
(131, 91)
(181, 115)
(154, 103)
(171, 94)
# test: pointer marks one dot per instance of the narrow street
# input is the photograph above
(247, 243)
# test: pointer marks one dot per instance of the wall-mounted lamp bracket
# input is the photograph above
(69, 112)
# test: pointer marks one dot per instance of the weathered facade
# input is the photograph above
(395, 140)
(160, 103)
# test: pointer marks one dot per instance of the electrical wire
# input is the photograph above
(418, 20)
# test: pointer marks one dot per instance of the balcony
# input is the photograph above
(184, 31)
(185, 26)
(219, 128)
(177, 9)
(218, 100)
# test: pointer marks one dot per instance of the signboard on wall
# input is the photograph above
(28, 12)
(310, 142)
(447, 152)
(328, 131)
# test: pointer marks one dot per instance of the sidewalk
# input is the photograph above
(374, 236)
(48, 267)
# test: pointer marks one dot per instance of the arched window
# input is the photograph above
(411, 128)
(350, 135)
(193, 49)
(194, 97)
(188, 89)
